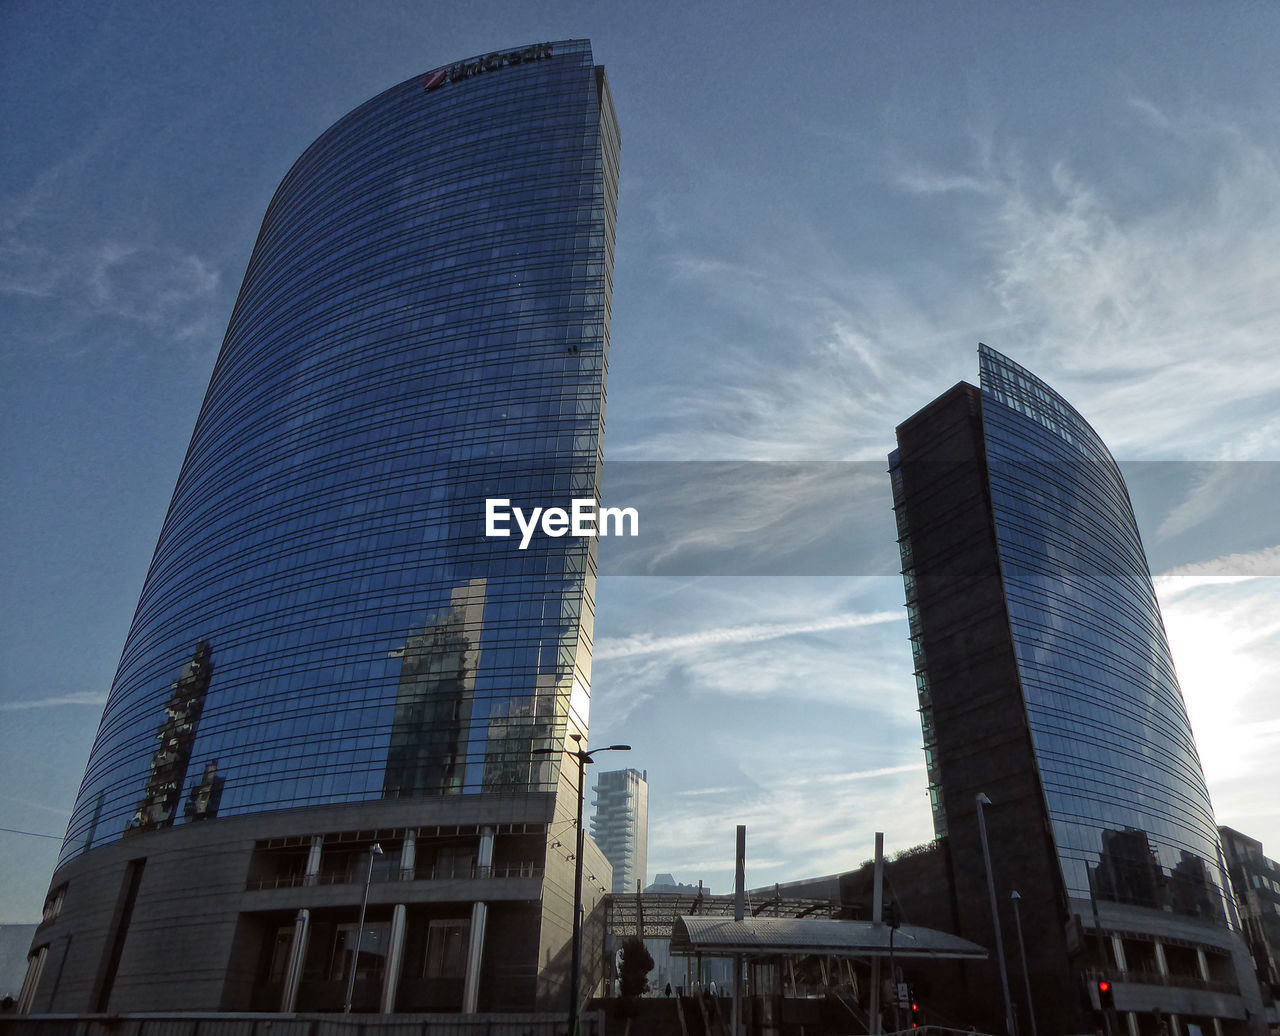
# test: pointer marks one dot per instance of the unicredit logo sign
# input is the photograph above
(488, 63)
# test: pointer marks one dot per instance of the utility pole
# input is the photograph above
(877, 907)
(739, 912)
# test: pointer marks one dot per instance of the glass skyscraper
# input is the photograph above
(328, 651)
(1045, 682)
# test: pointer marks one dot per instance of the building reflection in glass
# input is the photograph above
(516, 727)
(202, 803)
(1128, 871)
(434, 701)
(177, 735)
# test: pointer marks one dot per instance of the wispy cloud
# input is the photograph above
(1169, 308)
(823, 671)
(1225, 637)
(45, 195)
(145, 284)
(1155, 312)
(158, 288)
(647, 644)
(1228, 568)
(54, 701)
(1209, 494)
(854, 776)
(786, 837)
(741, 517)
(921, 180)
(61, 811)
(774, 642)
(795, 718)
(796, 400)
(804, 355)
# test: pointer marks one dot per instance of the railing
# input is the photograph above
(932, 1030)
(850, 1005)
(1155, 978)
(298, 1025)
(447, 873)
(1145, 977)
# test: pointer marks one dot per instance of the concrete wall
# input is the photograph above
(191, 942)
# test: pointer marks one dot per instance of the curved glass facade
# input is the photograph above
(423, 325)
(1122, 781)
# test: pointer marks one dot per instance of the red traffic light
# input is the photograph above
(1104, 986)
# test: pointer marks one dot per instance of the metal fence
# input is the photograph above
(432, 873)
(298, 1025)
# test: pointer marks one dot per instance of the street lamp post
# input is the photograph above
(1022, 952)
(893, 921)
(981, 800)
(374, 850)
(893, 985)
(583, 757)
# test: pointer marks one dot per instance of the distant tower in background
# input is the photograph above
(621, 825)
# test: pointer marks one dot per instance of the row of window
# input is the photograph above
(306, 530)
(1114, 747)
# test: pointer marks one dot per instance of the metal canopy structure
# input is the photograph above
(776, 936)
(658, 911)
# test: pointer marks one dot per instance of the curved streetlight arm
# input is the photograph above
(576, 752)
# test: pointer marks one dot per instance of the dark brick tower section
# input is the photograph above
(975, 724)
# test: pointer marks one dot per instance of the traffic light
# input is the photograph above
(915, 1007)
(891, 915)
(1106, 995)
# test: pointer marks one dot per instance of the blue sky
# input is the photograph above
(824, 207)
